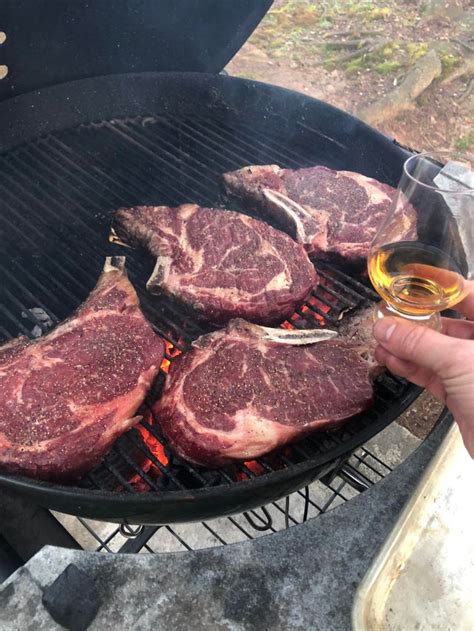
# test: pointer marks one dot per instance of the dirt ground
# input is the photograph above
(352, 52)
(421, 416)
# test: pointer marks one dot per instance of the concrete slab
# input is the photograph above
(301, 578)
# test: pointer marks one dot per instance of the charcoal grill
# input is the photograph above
(75, 147)
(165, 139)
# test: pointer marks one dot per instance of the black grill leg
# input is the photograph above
(28, 527)
(9, 560)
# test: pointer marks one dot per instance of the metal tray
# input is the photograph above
(423, 577)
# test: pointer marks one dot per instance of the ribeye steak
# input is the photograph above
(65, 398)
(329, 212)
(220, 263)
(239, 394)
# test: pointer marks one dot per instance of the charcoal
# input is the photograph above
(72, 599)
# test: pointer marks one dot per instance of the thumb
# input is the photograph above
(414, 343)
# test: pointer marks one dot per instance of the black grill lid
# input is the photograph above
(54, 41)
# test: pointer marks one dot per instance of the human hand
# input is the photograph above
(443, 363)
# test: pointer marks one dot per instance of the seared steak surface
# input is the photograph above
(238, 394)
(65, 398)
(329, 212)
(220, 263)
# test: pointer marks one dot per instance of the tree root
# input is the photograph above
(465, 69)
(467, 92)
(463, 44)
(349, 44)
(402, 97)
(366, 47)
(356, 32)
(360, 52)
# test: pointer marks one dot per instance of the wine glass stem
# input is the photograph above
(431, 321)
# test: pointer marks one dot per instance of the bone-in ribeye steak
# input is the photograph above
(65, 398)
(220, 263)
(238, 394)
(329, 212)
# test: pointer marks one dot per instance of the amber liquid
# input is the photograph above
(415, 279)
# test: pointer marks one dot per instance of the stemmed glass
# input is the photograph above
(423, 252)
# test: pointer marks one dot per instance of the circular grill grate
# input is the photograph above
(57, 197)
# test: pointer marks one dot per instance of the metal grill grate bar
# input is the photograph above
(249, 145)
(172, 161)
(222, 157)
(21, 230)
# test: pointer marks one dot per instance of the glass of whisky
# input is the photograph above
(423, 252)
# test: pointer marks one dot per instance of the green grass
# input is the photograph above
(464, 143)
(356, 65)
(416, 50)
(388, 66)
(324, 23)
(449, 61)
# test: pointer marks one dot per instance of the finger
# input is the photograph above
(462, 329)
(466, 306)
(420, 345)
(467, 433)
(408, 370)
(400, 367)
(381, 355)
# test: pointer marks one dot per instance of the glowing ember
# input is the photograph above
(150, 441)
(153, 445)
(319, 305)
(156, 448)
(306, 313)
(170, 352)
(253, 466)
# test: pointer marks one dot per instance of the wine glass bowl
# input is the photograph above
(422, 253)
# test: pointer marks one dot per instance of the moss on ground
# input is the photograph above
(449, 60)
(388, 66)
